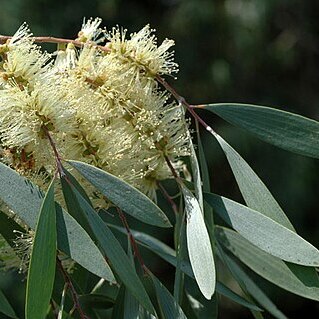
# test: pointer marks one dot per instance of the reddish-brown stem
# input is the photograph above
(56, 153)
(4, 38)
(182, 101)
(168, 197)
(171, 167)
(136, 251)
(73, 292)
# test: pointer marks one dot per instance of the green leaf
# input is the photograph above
(25, 199)
(123, 195)
(256, 194)
(265, 233)
(199, 246)
(7, 228)
(114, 252)
(251, 288)
(299, 280)
(202, 307)
(225, 291)
(5, 306)
(289, 131)
(96, 301)
(118, 309)
(131, 305)
(43, 260)
(181, 254)
(166, 301)
(169, 255)
(196, 176)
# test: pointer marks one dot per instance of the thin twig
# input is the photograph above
(73, 292)
(182, 101)
(168, 197)
(56, 153)
(132, 239)
(171, 167)
(5, 38)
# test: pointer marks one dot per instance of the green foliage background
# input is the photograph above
(254, 51)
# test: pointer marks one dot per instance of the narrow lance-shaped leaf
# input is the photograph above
(199, 246)
(5, 306)
(114, 252)
(26, 203)
(43, 260)
(196, 176)
(131, 305)
(299, 280)
(123, 195)
(7, 228)
(289, 131)
(251, 288)
(166, 301)
(264, 232)
(256, 194)
(169, 255)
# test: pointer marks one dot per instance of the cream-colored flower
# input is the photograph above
(104, 108)
(90, 30)
(24, 62)
(141, 51)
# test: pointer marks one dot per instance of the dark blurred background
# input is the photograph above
(254, 51)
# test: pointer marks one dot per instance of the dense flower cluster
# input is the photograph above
(100, 104)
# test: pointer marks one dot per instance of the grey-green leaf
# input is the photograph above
(123, 195)
(43, 260)
(287, 130)
(115, 253)
(249, 286)
(296, 279)
(169, 254)
(225, 291)
(256, 194)
(196, 176)
(265, 233)
(199, 246)
(166, 301)
(5, 306)
(25, 199)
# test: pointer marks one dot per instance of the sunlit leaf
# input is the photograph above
(43, 260)
(199, 246)
(289, 131)
(296, 279)
(25, 199)
(123, 195)
(265, 233)
(256, 194)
